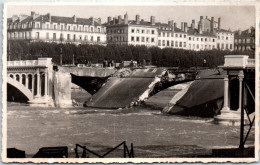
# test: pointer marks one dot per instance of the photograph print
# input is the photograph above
(135, 82)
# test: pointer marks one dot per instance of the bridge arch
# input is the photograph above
(20, 87)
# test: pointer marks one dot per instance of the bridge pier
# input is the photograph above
(236, 67)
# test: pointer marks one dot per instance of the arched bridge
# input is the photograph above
(33, 78)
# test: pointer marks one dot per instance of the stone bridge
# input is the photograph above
(33, 78)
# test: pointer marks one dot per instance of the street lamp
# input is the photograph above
(61, 38)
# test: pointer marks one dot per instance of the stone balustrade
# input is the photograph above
(40, 62)
(251, 62)
(240, 61)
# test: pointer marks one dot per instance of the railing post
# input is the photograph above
(241, 145)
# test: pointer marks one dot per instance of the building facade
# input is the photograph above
(245, 40)
(207, 36)
(58, 29)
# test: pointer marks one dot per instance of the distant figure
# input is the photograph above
(204, 62)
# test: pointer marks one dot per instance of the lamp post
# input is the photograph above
(61, 38)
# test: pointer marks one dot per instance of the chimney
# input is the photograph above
(219, 21)
(126, 18)
(201, 18)
(32, 13)
(109, 20)
(99, 21)
(119, 19)
(200, 28)
(185, 27)
(114, 20)
(49, 17)
(212, 25)
(137, 19)
(74, 18)
(92, 20)
(193, 24)
(182, 27)
(152, 20)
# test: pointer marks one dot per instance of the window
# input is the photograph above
(213, 40)
(213, 46)
(143, 31)
(61, 36)
(176, 35)
(222, 46)
(226, 46)
(198, 39)
(148, 31)
(152, 31)
(163, 34)
(137, 31)
(37, 35)
(184, 44)
(54, 36)
(180, 44)
(226, 38)
(159, 42)
(133, 30)
(218, 46)
(152, 39)
(47, 35)
(61, 27)
(68, 27)
(159, 34)
(172, 43)
(137, 39)
(198, 46)
(54, 27)
(47, 26)
(92, 29)
(91, 38)
(189, 38)
(142, 39)
(168, 34)
(201, 39)
(98, 39)
(163, 43)
(231, 46)
(86, 38)
(68, 36)
(86, 29)
(147, 39)
(132, 38)
(37, 25)
(206, 39)
(176, 43)
(184, 35)
(168, 43)
(180, 35)
(209, 46)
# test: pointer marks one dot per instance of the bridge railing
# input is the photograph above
(23, 63)
(40, 62)
(251, 62)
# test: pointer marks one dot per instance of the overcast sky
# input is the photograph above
(232, 17)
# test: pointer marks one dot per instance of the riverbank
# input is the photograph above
(152, 134)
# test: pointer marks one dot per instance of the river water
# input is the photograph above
(152, 133)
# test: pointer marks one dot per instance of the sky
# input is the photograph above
(232, 17)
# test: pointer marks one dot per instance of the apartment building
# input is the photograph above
(245, 40)
(131, 32)
(48, 28)
(207, 36)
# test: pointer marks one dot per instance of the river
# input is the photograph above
(152, 133)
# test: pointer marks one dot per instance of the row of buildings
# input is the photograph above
(205, 34)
